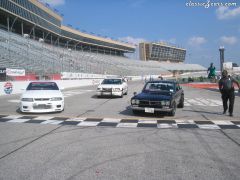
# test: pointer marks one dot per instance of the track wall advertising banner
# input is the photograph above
(15, 72)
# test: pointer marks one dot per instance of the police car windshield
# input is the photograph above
(42, 86)
(159, 87)
(112, 81)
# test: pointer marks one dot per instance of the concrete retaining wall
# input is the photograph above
(19, 86)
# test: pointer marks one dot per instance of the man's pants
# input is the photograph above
(228, 95)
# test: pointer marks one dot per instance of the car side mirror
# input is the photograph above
(62, 88)
(135, 93)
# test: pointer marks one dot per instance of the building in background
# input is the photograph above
(33, 19)
(161, 52)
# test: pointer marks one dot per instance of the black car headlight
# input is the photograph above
(135, 101)
(165, 103)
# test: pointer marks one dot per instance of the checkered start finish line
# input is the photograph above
(127, 123)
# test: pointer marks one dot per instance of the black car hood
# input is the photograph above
(154, 95)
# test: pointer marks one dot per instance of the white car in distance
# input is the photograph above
(112, 87)
(42, 97)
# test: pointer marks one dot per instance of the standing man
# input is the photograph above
(226, 87)
(212, 72)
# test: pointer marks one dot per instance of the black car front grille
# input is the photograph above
(153, 104)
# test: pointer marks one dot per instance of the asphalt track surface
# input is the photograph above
(36, 151)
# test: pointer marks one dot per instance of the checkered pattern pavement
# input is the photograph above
(121, 123)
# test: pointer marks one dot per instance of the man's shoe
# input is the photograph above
(224, 112)
(231, 114)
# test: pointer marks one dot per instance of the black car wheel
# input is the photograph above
(181, 103)
(173, 112)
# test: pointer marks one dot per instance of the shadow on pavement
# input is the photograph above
(129, 112)
(216, 90)
(207, 112)
(104, 97)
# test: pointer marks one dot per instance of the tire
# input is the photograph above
(173, 112)
(181, 103)
(126, 92)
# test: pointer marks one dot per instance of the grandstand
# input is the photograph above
(40, 58)
(32, 18)
(45, 47)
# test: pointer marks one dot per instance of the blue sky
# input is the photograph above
(199, 29)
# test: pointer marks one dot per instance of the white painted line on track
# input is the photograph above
(111, 120)
(130, 125)
(208, 126)
(19, 120)
(147, 121)
(88, 124)
(55, 122)
(76, 119)
(223, 123)
(43, 118)
(167, 126)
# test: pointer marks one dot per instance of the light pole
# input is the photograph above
(221, 49)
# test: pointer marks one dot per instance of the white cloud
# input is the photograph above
(230, 40)
(132, 40)
(54, 2)
(227, 13)
(197, 41)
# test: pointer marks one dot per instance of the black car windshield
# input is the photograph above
(112, 81)
(159, 86)
(42, 86)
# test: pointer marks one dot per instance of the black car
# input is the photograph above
(158, 96)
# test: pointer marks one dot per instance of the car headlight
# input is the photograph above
(135, 101)
(27, 99)
(99, 89)
(56, 99)
(165, 103)
(116, 89)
